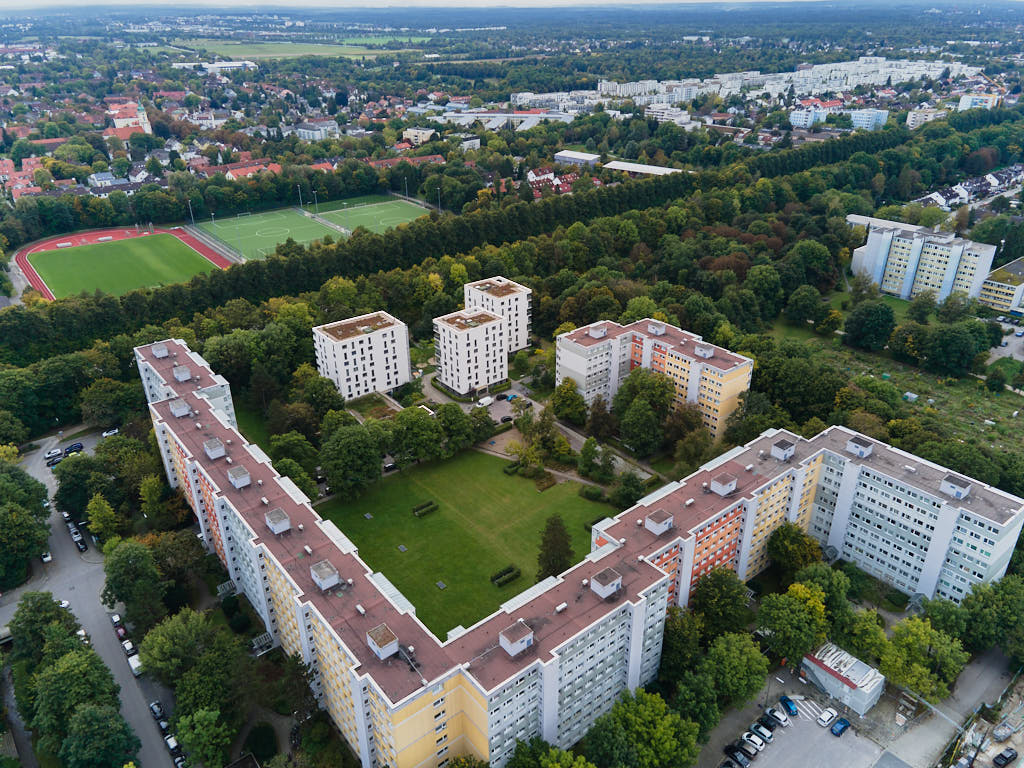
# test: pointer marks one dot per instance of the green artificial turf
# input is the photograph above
(375, 217)
(119, 266)
(485, 521)
(256, 236)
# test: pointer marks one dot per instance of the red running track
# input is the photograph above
(93, 236)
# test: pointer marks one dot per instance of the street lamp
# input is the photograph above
(299, 187)
(316, 203)
(190, 214)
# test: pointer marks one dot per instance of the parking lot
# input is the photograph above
(802, 744)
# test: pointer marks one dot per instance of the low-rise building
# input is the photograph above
(844, 677)
(471, 347)
(506, 298)
(599, 356)
(1003, 289)
(918, 117)
(571, 157)
(364, 354)
(978, 101)
(418, 136)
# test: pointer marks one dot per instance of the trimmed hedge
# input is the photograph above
(425, 510)
(503, 572)
(424, 505)
(508, 578)
(511, 469)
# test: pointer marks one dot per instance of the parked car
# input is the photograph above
(753, 740)
(74, 448)
(737, 755)
(54, 462)
(179, 762)
(761, 731)
(111, 432)
(747, 749)
(1005, 757)
(76, 535)
(502, 396)
(156, 709)
(778, 715)
(65, 514)
(390, 467)
(136, 665)
(115, 619)
(163, 725)
(171, 743)
(826, 717)
(506, 419)
(82, 546)
(129, 648)
(727, 763)
(789, 705)
(768, 722)
(64, 604)
(839, 726)
(121, 632)
(82, 635)
(46, 557)
(53, 453)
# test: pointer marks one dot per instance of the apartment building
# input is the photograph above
(805, 118)
(978, 101)
(599, 356)
(471, 347)
(364, 354)
(867, 119)
(905, 260)
(918, 117)
(506, 298)
(1003, 289)
(552, 659)
(417, 136)
(547, 663)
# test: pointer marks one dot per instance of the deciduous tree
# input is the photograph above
(737, 666)
(351, 460)
(133, 579)
(98, 737)
(720, 599)
(654, 736)
(791, 549)
(568, 403)
(869, 325)
(205, 737)
(555, 554)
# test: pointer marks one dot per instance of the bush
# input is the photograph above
(511, 469)
(230, 606)
(426, 510)
(239, 623)
(544, 482)
(508, 578)
(592, 493)
(262, 742)
(424, 505)
(503, 572)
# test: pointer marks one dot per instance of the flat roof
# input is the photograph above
(357, 326)
(498, 286)
(1010, 274)
(178, 354)
(650, 170)
(467, 319)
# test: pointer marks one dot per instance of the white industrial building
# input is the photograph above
(506, 298)
(844, 677)
(571, 157)
(471, 347)
(364, 354)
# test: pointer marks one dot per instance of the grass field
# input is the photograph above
(252, 424)
(257, 50)
(119, 266)
(377, 217)
(256, 236)
(348, 202)
(485, 521)
(381, 39)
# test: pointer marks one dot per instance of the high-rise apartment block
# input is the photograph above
(978, 101)
(905, 260)
(599, 356)
(364, 354)
(918, 117)
(471, 347)
(507, 298)
(1003, 289)
(551, 660)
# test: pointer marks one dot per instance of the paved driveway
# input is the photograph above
(78, 578)
(1014, 345)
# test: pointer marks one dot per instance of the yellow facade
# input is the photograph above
(718, 392)
(771, 512)
(999, 296)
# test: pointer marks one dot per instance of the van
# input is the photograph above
(136, 665)
(483, 402)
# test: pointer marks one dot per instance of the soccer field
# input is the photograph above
(485, 521)
(256, 236)
(376, 217)
(118, 267)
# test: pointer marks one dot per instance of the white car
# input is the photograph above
(53, 453)
(777, 715)
(826, 717)
(64, 604)
(753, 740)
(129, 648)
(46, 557)
(115, 619)
(111, 432)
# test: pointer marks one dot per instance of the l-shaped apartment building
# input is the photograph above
(551, 660)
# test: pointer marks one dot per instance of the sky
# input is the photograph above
(23, 5)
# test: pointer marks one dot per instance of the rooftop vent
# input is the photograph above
(560, 608)
(179, 408)
(859, 446)
(606, 583)
(239, 477)
(382, 641)
(704, 350)
(656, 329)
(214, 447)
(597, 332)
(324, 575)
(516, 639)
(658, 522)
(783, 450)
(955, 486)
(278, 521)
(159, 350)
(723, 484)
(181, 373)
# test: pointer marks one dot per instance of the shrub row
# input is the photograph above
(503, 572)
(511, 469)
(424, 505)
(508, 578)
(592, 493)
(425, 510)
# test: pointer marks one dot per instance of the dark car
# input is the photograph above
(74, 448)
(82, 546)
(527, 404)
(502, 396)
(748, 749)
(768, 722)
(737, 755)
(54, 462)
(156, 709)
(506, 419)
(390, 467)
(727, 764)
(1005, 757)
(839, 726)
(789, 706)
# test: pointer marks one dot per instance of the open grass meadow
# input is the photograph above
(232, 49)
(257, 235)
(119, 266)
(252, 424)
(485, 521)
(376, 217)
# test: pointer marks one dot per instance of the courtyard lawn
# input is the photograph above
(485, 521)
(376, 217)
(257, 235)
(252, 424)
(119, 266)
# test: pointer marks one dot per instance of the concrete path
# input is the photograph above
(22, 737)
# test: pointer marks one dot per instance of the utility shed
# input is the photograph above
(844, 677)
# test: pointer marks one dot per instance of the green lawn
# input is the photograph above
(252, 425)
(376, 217)
(255, 236)
(486, 520)
(348, 202)
(118, 267)
(256, 50)
(381, 39)
(1009, 365)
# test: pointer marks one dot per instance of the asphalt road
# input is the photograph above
(78, 578)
